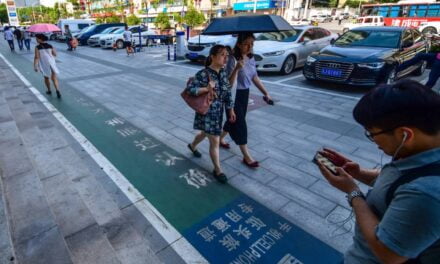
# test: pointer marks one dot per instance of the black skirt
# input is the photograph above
(238, 130)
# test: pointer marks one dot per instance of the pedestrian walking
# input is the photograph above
(339, 20)
(69, 37)
(242, 67)
(9, 37)
(397, 221)
(20, 37)
(27, 39)
(214, 81)
(432, 58)
(44, 61)
(127, 41)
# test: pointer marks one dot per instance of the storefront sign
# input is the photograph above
(12, 13)
(243, 6)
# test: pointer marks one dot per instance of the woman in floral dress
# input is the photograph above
(213, 80)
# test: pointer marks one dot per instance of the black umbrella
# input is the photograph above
(248, 23)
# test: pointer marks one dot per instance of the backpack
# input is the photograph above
(432, 170)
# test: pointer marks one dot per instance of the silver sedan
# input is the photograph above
(284, 51)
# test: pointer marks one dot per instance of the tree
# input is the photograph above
(193, 17)
(162, 21)
(133, 20)
(113, 19)
(3, 14)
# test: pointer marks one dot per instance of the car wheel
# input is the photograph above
(120, 44)
(52, 37)
(429, 30)
(288, 65)
(391, 77)
(420, 70)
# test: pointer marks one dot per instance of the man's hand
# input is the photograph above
(340, 160)
(343, 181)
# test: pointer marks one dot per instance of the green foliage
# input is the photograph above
(162, 21)
(113, 19)
(193, 17)
(3, 14)
(99, 20)
(133, 20)
(154, 3)
(178, 18)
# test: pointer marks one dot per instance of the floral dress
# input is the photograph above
(212, 122)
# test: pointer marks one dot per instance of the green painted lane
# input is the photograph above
(183, 192)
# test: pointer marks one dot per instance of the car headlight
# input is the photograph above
(310, 59)
(374, 65)
(275, 53)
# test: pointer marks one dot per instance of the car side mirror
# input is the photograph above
(332, 41)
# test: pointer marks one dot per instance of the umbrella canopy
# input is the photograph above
(40, 28)
(247, 23)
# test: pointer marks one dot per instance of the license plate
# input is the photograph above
(331, 72)
(193, 55)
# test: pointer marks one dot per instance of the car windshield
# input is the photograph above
(382, 39)
(85, 29)
(108, 30)
(283, 36)
(90, 28)
(119, 31)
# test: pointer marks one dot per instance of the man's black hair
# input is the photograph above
(404, 103)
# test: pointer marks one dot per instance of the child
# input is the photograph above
(44, 61)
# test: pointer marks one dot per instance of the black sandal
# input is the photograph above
(49, 92)
(220, 177)
(195, 152)
(58, 94)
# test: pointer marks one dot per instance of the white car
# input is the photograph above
(432, 27)
(299, 22)
(367, 21)
(94, 40)
(107, 41)
(198, 47)
(284, 51)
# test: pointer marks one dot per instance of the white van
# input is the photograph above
(363, 22)
(75, 25)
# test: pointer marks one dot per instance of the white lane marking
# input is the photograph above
(182, 247)
(290, 78)
(313, 90)
(281, 84)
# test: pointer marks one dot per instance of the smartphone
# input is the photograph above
(326, 162)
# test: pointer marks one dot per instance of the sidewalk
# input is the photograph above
(56, 204)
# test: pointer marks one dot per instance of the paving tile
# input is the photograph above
(304, 197)
(10, 152)
(8, 131)
(269, 197)
(28, 210)
(45, 247)
(91, 246)
(288, 172)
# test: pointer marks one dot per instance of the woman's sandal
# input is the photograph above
(225, 145)
(220, 177)
(253, 164)
(195, 152)
(49, 92)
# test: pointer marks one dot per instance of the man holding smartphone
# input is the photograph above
(398, 221)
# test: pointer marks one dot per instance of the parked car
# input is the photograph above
(300, 22)
(94, 41)
(364, 22)
(345, 15)
(95, 29)
(284, 51)
(198, 47)
(321, 18)
(367, 56)
(431, 27)
(107, 40)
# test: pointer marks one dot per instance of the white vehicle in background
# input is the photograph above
(432, 27)
(300, 22)
(75, 25)
(284, 51)
(94, 41)
(198, 47)
(367, 21)
(107, 41)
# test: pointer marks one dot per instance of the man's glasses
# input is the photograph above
(371, 135)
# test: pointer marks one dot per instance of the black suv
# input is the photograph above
(367, 56)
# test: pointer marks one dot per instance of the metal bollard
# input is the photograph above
(175, 51)
(169, 55)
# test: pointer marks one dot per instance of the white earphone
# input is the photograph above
(405, 135)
